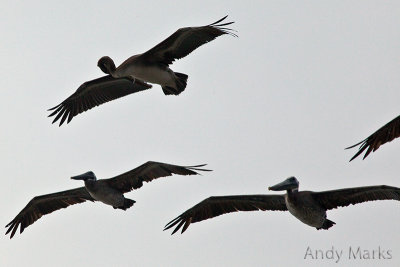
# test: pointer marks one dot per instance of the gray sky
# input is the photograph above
(303, 81)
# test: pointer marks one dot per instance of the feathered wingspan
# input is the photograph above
(149, 64)
(384, 135)
(350, 196)
(182, 42)
(94, 93)
(147, 172)
(45, 204)
(215, 206)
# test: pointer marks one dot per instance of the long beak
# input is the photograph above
(83, 176)
(285, 185)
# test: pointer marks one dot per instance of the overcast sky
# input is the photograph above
(304, 80)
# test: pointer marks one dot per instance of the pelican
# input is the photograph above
(134, 74)
(383, 135)
(109, 191)
(307, 206)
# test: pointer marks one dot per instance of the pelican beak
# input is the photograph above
(83, 176)
(288, 184)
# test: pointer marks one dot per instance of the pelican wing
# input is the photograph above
(384, 135)
(215, 206)
(182, 42)
(45, 204)
(351, 196)
(147, 172)
(94, 93)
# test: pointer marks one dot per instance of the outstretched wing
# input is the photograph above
(215, 206)
(94, 93)
(384, 135)
(350, 196)
(147, 172)
(182, 42)
(45, 204)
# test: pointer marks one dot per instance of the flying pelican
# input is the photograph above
(109, 191)
(134, 73)
(307, 206)
(385, 134)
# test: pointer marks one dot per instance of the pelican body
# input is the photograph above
(134, 74)
(307, 206)
(302, 205)
(103, 192)
(109, 191)
(135, 67)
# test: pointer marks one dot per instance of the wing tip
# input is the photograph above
(178, 220)
(223, 29)
(53, 108)
(363, 146)
(356, 144)
(198, 168)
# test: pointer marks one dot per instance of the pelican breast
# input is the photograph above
(135, 67)
(101, 191)
(303, 206)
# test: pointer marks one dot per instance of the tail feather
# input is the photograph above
(127, 203)
(169, 90)
(181, 82)
(327, 224)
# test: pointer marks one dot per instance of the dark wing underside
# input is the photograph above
(215, 206)
(384, 135)
(94, 93)
(45, 204)
(351, 196)
(184, 41)
(147, 172)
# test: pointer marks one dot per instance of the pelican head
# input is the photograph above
(290, 183)
(106, 64)
(87, 176)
